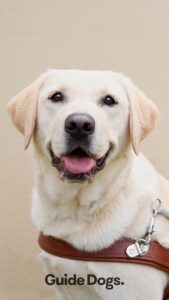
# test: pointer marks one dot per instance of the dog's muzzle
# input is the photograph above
(78, 163)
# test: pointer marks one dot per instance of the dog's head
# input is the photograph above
(81, 120)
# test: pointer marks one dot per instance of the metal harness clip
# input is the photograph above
(141, 246)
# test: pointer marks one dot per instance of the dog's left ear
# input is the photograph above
(143, 114)
(22, 109)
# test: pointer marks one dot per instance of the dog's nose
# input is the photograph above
(79, 125)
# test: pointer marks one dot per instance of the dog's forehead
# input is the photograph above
(79, 80)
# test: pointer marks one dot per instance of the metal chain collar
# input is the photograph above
(141, 246)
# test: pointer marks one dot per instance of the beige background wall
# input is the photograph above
(129, 36)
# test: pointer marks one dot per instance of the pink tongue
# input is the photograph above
(78, 165)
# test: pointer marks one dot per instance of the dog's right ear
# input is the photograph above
(23, 108)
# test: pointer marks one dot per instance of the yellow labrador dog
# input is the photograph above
(99, 188)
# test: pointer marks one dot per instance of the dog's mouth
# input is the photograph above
(79, 164)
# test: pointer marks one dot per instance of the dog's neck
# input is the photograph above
(75, 211)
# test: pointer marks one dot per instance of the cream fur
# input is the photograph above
(118, 201)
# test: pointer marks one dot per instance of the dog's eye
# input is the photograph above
(57, 97)
(109, 100)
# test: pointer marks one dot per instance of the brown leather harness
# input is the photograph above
(157, 256)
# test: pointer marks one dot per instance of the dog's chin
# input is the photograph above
(78, 165)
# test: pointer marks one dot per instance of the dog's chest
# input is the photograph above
(74, 280)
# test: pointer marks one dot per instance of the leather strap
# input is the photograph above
(166, 294)
(157, 256)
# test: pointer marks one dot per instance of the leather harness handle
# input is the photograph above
(157, 256)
